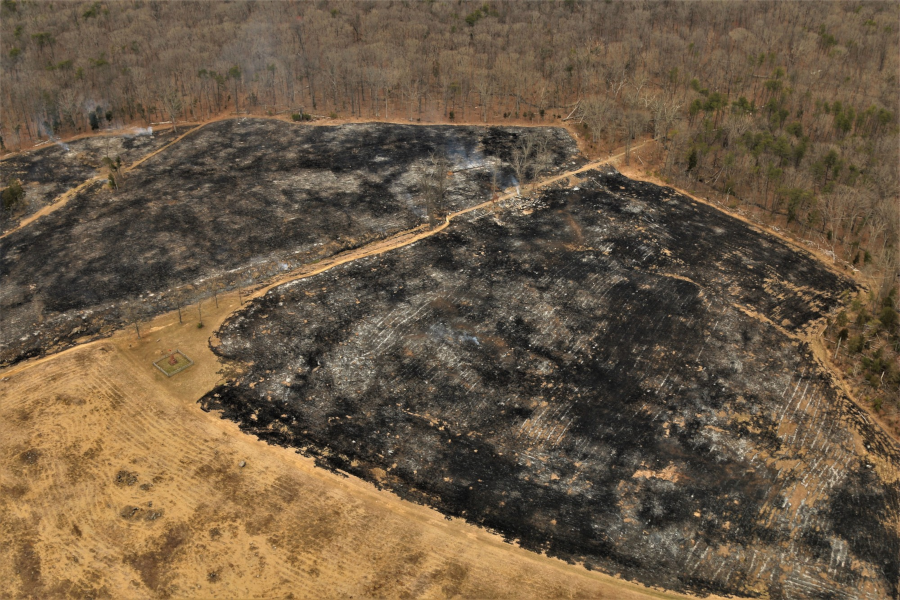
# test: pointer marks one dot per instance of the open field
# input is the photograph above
(617, 378)
(48, 172)
(242, 199)
(610, 374)
(114, 484)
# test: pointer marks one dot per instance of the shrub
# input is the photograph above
(729, 187)
(13, 194)
(857, 343)
(692, 160)
(888, 318)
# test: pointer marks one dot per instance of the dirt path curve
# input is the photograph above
(411, 236)
(64, 198)
(397, 240)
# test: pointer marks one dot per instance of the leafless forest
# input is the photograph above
(786, 107)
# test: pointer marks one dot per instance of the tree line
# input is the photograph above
(789, 106)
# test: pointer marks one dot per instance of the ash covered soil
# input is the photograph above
(615, 379)
(46, 173)
(244, 199)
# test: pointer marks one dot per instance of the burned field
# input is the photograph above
(46, 173)
(233, 203)
(615, 379)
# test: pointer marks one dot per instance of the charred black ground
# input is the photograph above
(47, 172)
(615, 379)
(246, 198)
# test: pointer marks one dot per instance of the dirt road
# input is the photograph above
(64, 198)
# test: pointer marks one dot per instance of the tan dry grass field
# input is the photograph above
(115, 484)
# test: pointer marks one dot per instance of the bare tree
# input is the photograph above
(522, 157)
(595, 113)
(543, 156)
(411, 88)
(664, 115)
(634, 123)
(178, 297)
(495, 192)
(234, 74)
(115, 172)
(133, 316)
(834, 207)
(484, 83)
(616, 80)
(216, 284)
(69, 104)
(433, 179)
(173, 105)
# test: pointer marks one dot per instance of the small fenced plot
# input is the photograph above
(173, 363)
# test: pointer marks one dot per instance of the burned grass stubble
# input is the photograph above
(615, 379)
